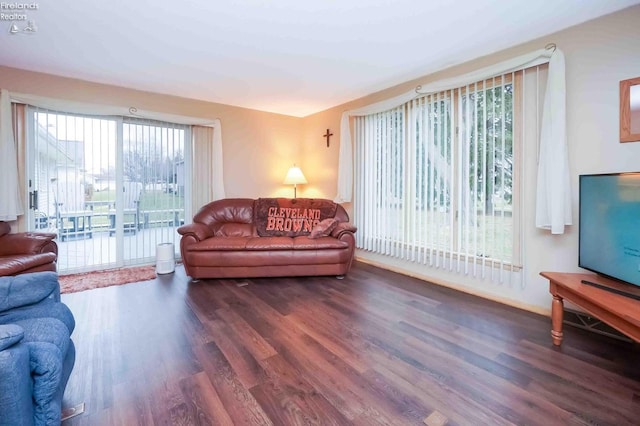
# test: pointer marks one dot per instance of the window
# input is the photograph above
(437, 178)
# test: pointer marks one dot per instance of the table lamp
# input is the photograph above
(294, 177)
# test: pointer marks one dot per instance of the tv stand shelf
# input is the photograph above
(619, 311)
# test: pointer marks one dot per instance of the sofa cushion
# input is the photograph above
(270, 243)
(14, 264)
(320, 243)
(255, 258)
(290, 217)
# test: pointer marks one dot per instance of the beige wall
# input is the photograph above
(258, 147)
(598, 55)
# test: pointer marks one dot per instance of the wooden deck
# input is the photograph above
(376, 348)
(99, 250)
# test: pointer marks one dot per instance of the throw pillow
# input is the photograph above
(324, 228)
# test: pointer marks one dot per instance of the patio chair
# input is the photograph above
(72, 217)
(131, 205)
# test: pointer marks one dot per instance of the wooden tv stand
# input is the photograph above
(620, 312)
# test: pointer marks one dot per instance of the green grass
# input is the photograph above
(104, 196)
(158, 200)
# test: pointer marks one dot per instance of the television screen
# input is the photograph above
(610, 225)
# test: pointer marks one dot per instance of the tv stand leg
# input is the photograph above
(557, 311)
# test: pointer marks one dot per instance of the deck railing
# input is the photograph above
(101, 216)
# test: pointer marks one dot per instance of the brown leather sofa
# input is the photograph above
(26, 251)
(267, 237)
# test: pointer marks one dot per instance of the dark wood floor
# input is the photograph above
(374, 348)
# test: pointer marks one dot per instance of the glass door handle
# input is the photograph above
(33, 200)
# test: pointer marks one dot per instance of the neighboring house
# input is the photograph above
(58, 173)
(104, 182)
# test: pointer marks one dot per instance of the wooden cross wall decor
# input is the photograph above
(327, 135)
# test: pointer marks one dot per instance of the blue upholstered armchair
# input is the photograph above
(36, 351)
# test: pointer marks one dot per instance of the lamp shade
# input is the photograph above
(294, 176)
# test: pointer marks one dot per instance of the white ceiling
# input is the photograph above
(292, 57)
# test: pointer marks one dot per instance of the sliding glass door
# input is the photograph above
(111, 188)
(154, 192)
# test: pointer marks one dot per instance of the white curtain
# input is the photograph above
(11, 201)
(553, 202)
(562, 209)
(208, 182)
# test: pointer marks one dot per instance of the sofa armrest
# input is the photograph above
(28, 243)
(27, 289)
(47, 371)
(342, 228)
(198, 231)
(16, 386)
(10, 334)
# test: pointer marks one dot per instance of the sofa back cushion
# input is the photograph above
(27, 289)
(233, 229)
(277, 217)
(5, 228)
(230, 217)
(246, 217)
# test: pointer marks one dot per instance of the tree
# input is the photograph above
(152, 153)
(490, 145)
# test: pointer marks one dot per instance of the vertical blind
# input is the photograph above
(438, 179)
(155, 171)
(112, 188)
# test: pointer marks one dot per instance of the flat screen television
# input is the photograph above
(609, 229)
